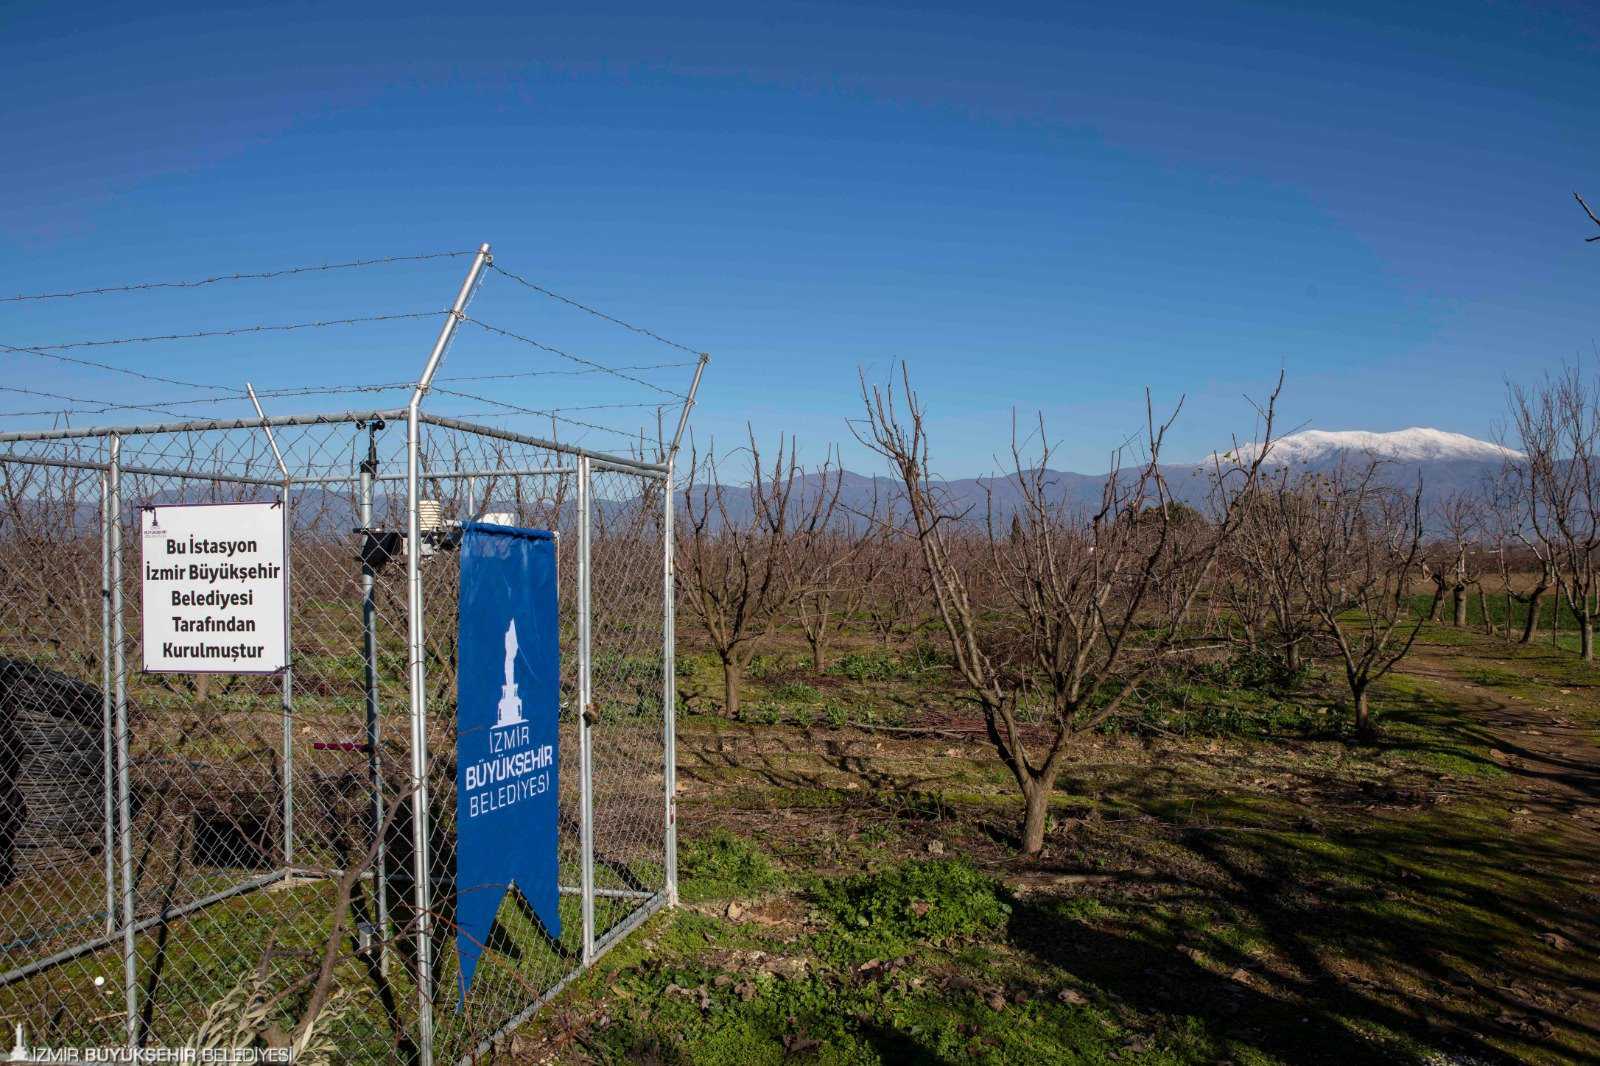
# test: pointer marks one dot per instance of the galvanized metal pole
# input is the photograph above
(585, 696)
(107, 711)
(669, 639)
(688, 405)
(369, 626)
(669, 688)
(287, 679)
(422, 864)
(288, 684)
(124, 802)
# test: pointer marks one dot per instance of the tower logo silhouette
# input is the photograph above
(510, 702)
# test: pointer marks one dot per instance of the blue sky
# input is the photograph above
(1043, 208)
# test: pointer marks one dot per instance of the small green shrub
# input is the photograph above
(722, 865)
(1254, 670)
(927, 901)
(866, 666)
(761, 712)
(796, 692)
(925, 656)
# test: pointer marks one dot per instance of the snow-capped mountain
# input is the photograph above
(1444, 463)
(1415, 445)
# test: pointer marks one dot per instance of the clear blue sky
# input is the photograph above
(1039, 207)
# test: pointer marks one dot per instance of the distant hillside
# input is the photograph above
(1446, 463)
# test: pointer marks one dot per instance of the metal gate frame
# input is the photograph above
(75, 449)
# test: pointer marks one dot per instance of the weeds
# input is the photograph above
(722, 866)
(875, 665)
(931, 901)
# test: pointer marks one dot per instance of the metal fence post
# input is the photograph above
(669, 639)
(585, 740)
(288, 682)
(287, 679)
(669, 689)
(422, 862)
(369, 654)
(108, 784)
(124, 802)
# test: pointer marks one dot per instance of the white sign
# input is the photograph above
(214, 588)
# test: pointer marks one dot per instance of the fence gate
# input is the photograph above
(227, 860)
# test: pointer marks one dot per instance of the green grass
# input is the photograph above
(935, 962)
(1245, 882)
(712, 993)
(1420, 723)
(889, 911)
(1554, 617)
(722, 866)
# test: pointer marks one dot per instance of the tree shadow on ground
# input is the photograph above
(1426, 924)
(1306, 916)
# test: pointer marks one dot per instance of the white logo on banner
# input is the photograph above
(510, 702)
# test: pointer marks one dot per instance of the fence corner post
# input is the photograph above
(669, 687)
(108, 772)
(130, 967)
(421, 841)
(286, 680)
(585, 696)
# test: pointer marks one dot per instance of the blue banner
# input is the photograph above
(508, 687)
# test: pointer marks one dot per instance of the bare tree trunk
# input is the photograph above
(1530, 627)
(819, 651)
(1586, 637)
(1438, 599)
(1364, 728)
(1459, 595)
(1036, 800)
(1555, 617)
(730, 687)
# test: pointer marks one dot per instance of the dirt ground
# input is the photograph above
(1272, 896)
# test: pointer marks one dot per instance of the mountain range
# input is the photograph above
(1445, 462)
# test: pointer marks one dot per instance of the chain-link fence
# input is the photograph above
(228, 859)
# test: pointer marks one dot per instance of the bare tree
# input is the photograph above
(1558, 424)
(1088, 604)
(847, 572)
(1512, 516)
(1455, 562)
(748, 554)
(1357, 546)
(900, 594)
(1262, 589)
(49, 566)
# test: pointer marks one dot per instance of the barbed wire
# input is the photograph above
(564, 373)
(553, 413)
(166, 406)
(599, 367)
(199, 282)
(99, 406)
(235, 331)
(520, 280)
(48, 354)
